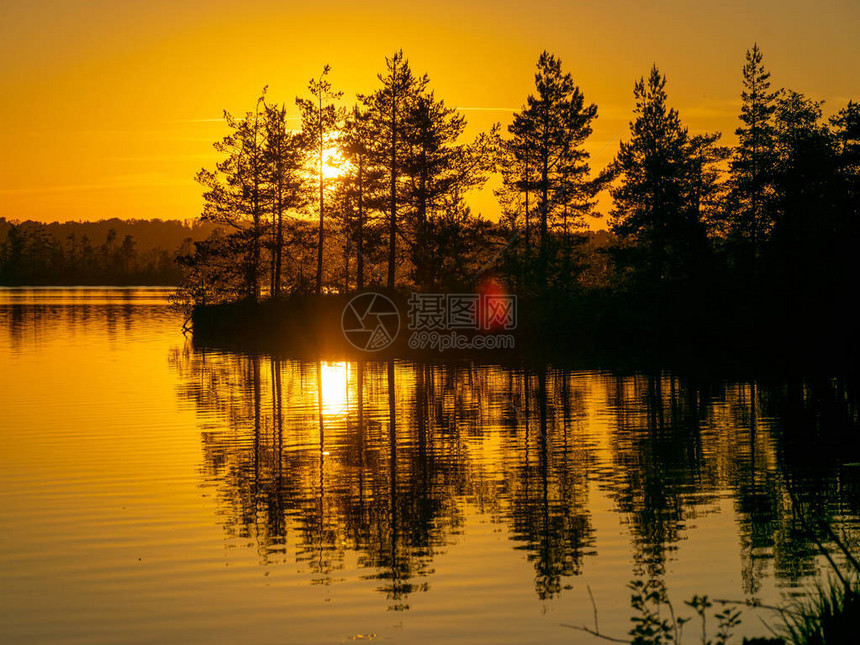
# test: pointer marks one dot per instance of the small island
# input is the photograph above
(743, 254)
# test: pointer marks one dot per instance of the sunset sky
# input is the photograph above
(109, 108)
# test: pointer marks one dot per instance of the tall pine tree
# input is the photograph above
(284, 166)
(665, 178)
(389, 110)
(360, 186)
(440, 170)
(320, 121)
(235, 193)
(546, 142)
(752, 203)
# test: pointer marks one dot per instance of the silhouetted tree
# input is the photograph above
(548, 159)
(513, 198)
(665, 177)
(389, 109)
(284, 174)
(127, 255)
(846, 132)
(32, 253)
(235, 192)
(13, 255)
(804, 175)
(320, 121)
(361, 185)
(440, 171)
(752, 199)
(846, 125)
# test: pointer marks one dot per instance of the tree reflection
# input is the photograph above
(662, 478)
(389, 476)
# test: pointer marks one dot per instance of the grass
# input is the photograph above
(829, 616)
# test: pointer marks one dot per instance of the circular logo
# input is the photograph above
(370, 321)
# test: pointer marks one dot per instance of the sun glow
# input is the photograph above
(334, 164)
(334, 384)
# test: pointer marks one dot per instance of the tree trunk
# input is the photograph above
(544, 214)
(359, 269)
(392, 224)
(279, 245)
(321, 229)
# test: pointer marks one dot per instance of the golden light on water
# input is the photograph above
(334, 383)
(317, 498)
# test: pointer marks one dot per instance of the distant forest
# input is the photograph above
(106, 252)
(770, 223)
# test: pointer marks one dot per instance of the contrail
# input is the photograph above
(608, 142)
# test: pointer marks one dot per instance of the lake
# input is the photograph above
(151, 491)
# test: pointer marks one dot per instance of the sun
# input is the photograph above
(334, 164)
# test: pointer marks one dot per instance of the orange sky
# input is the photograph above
(109, 108)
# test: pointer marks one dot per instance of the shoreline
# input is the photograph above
(593, 330)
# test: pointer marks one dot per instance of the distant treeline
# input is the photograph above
(106, 252)
(771, 224)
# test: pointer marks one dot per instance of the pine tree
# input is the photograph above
(846, 132)
(235, 192)
(320, 121)
(512, 164)
(440, 170)
(752, 199)
(284, 166)
(846, 125)
(809, 230)
(666, 178)
(362, 187)
(546, 149)
(354, 147)
(388, 110)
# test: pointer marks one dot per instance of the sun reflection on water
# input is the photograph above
(334, 385)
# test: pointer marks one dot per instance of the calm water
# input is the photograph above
(154, 493)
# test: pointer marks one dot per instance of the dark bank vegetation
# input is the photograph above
(708, 243)
(108, 252)
(828, 616)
